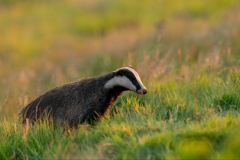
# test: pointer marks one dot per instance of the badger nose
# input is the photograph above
(144, 91)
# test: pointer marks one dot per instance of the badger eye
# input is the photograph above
(135, 83)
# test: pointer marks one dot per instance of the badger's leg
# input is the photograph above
(75, 126)
(91, 116)
(72, 124)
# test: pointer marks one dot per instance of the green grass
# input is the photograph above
(187, 55)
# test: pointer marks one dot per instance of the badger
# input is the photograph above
(84, 100)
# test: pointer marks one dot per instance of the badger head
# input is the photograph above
(128, 78)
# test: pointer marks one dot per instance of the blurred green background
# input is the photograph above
(186, 52)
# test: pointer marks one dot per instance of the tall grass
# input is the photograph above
(186, 54)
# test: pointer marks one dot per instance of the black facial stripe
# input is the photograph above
(130, 76)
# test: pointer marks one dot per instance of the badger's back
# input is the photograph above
(66, 103)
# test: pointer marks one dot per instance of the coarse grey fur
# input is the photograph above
(69, 104)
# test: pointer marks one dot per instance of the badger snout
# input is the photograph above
(145, 91)
(142, 91)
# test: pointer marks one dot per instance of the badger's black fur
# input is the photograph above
(84, 100)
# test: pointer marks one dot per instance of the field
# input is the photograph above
(187, 54)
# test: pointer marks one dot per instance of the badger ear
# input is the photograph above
(130, 66)
(117, 73)
(114, 73)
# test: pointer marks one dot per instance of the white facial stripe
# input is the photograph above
(120, 81)
(136, 75)
(139, 80)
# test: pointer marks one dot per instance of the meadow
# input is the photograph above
(186, 52)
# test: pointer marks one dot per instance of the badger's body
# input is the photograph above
(84, 100)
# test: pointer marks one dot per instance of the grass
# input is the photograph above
(186, 54)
